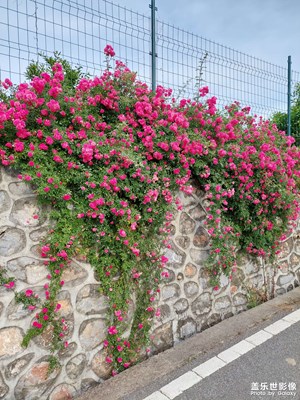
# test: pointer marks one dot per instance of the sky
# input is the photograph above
(79, 29)
(267, 29)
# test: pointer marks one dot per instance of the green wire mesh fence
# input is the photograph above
(80, 29)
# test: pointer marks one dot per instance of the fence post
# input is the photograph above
(153, 45)
(289, 95)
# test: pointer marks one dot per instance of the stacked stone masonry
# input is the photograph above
(187, 302)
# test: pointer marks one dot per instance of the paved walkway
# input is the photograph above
(253, 355)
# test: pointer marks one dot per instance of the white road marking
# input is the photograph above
(191, 378)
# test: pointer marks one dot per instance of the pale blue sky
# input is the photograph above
(267, 29)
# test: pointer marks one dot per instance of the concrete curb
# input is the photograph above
(159, 366)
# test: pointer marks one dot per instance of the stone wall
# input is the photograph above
(188, 305)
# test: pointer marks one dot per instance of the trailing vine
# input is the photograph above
(109, 156)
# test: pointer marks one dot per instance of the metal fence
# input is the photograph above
(80, 29)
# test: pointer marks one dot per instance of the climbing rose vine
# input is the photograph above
(109, 156)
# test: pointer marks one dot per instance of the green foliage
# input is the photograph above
(72, 74)
(280, 118)
(53, 364)
(108, 157)
(256, 296)
(4, 279)
(26, 300)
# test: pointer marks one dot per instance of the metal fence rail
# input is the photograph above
(80, 29)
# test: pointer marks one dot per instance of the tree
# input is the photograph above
(280, 118)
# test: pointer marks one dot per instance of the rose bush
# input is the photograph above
(109, 156)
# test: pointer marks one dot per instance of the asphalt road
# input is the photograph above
(274, 364)
(270, 371)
